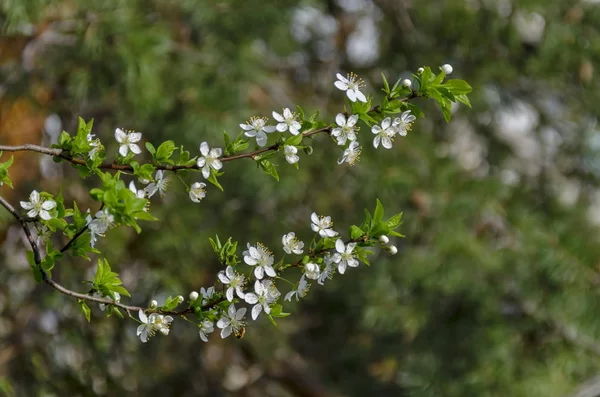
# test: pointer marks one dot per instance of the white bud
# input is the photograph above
(153, 304)
(420, 70)
(392, 249)
(446, 68)
(193, 296)
(406, 83)
(384, 239)
(312, 270)
(180, 298)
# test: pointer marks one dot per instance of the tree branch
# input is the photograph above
(127, 168)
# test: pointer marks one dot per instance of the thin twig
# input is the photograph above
(78, 234)
(127, 168)
(38, 259)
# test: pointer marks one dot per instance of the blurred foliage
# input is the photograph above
(494, 291)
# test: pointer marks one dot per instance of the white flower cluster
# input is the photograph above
(385, 133)
(287, 120)
(264, 293)
(152, 323)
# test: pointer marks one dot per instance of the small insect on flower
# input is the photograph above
(240, 332)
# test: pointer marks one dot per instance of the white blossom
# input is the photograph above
(197, 191)
(352, 85)
(384, 134)
(103, 220)
(292, 244)
(312, 270)
(384, 239)
(403, 124)
(233, 280)
(343, 257)
(38, 206)
(208, 294)
(102, 305)
(127, 141)
(287, 121)
(95, 144)
(256, 127)
(322, 225)
(328, 272)
(300, 291)
(447, 68)
(264, 296)
(160, 184)
(392, 249)
(151, 324)
(346, 129)
(162, 323)
(206, 327)
(351, 154)
(262, 258)
(232, 321)
(141, 193)
(420, 70)
(193, 296)
(290, 154)
(43, 233)
(406, 83)
(209, 159)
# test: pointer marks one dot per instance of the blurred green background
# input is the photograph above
(494, 291)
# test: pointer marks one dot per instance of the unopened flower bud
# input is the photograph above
(153, 304)
(446, 68)
(392, 249)
(180, 298)
(384, 239)
(193, 296)
(420, 70)
(406, 83)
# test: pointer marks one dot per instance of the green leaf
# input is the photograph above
(268, 168)
(171, 303)
(395, 221)
(386, 85)
(64, 140)
(294, 140)
(356, 232)
(213, 179)
(87, 312)
(457, 87)
(277, 311)
(4, 177)
(145, 171)
(378, 214)
(361, 254)
(463, 99)
(150, 147)
(164, 152)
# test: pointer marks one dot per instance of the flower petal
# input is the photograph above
(142, 316)
(360, 96)
(340, 246)
(135, 148)
(351, 94)
(120, 135)
(240, 314)
(225, 332)
(277, 116)
(135, 136)
(256, 311)
(340, 120)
